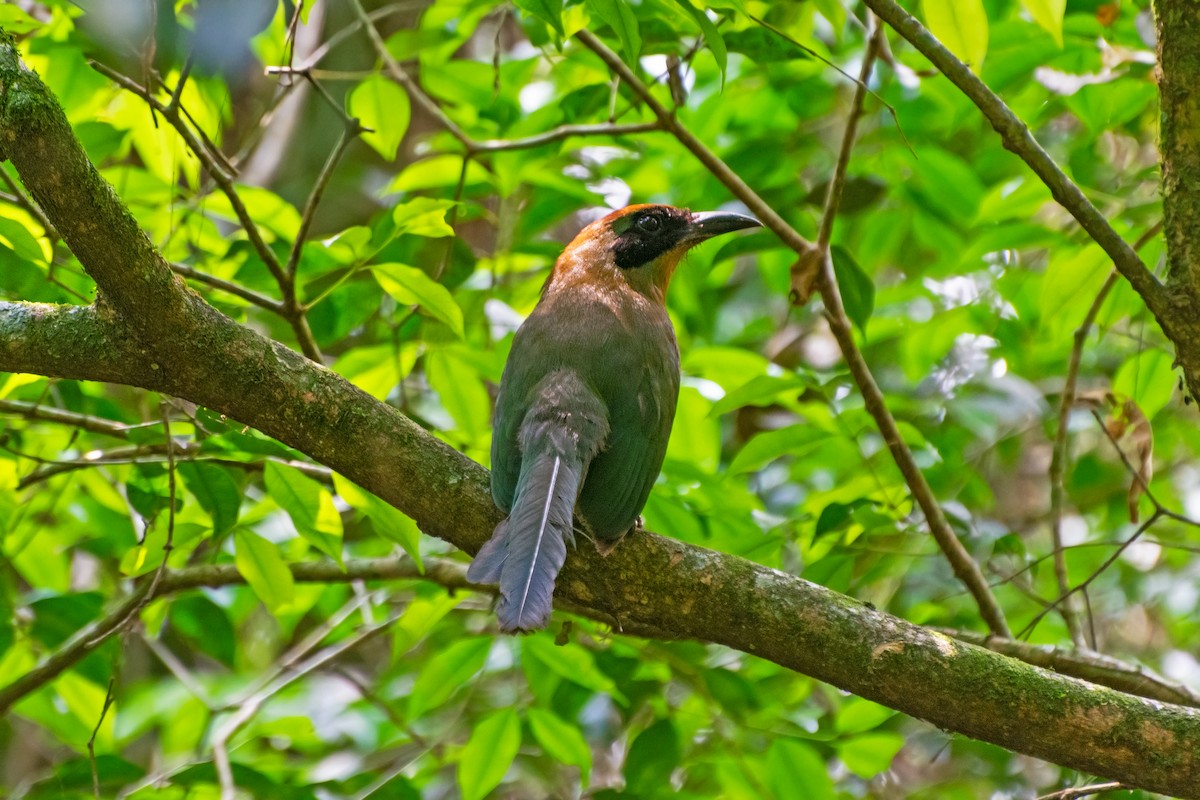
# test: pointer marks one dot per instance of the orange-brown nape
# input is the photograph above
(639, 246)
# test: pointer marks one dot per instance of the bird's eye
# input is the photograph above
(649, 223)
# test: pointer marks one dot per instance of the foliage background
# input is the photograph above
(965, 282)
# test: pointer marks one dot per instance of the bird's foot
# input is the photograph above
(605, 546)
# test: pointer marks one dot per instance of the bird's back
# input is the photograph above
(623, 348)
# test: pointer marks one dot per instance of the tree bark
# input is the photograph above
(149, 330)
(1178, 32)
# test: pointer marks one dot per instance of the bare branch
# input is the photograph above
(249, 295)
(1084, 791)
(1095, 667)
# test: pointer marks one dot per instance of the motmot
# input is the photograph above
(586, 401)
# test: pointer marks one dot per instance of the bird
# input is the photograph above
(586, 402)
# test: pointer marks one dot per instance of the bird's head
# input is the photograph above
(639, 246)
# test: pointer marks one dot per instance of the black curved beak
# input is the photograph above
(706, 224)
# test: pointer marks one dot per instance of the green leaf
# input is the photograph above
(870, 754)
(1072, 278)
(14, 20)
(392, 523)
(962, 26)
(438, 172)
(412, 287)
(764, 46)
(1049, 15)
(652, 758)
(620, 17)
(420, 617)
(762, 390)
(260, 563)
(446, 673)
(857, 288)
(561, 741)
(489, 753)
(309, 504)
(794, 440)
(423, 216)
(573, 662)
(791, 764)
(858, 715)
(712, 36)
(460, 388)
(548, 11)
(834, 517)
(18, 237)
(381, 105)
(215, 489)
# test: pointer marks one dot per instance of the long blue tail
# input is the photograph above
(561, 433)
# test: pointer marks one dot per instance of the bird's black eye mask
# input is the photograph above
(645, 235)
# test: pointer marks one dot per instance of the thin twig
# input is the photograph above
(177, 669)
(209, 155)
(451, 574)
(31, 207)
(155, 453)
(833, 196)
(1058, 463)
(1017, 138)
(1089, 666)
(1145, 526)
(169, 446)
(91, 743)
(560, 133)
(345, 33)
(964, 567)
(740, 189)
(400, 76)
(349, 133)
(250, 707)
(236, 289)
(85, 422)
(1083, 791)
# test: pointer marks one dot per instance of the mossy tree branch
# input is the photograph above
(151, 331)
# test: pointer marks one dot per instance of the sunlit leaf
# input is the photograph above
(1049, 15)
(620, 17)
(411, 286)
(310, 506)
(871, 753)
(261, 564)
(381, 105)
(548, 11)
(962, 26)
(1149, 378)
(446, 673)
(572, 662)
(489, 753)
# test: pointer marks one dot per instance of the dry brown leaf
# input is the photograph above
(1130, 429)
(804, 276)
